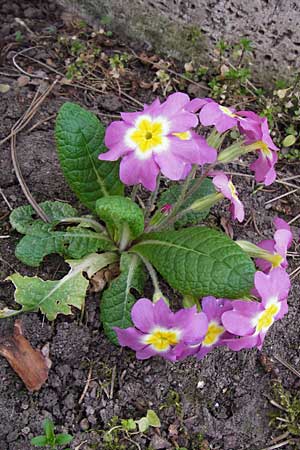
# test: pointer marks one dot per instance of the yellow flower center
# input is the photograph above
(213, 334)
(184, 136)
(233, 190)
(275, 260)
(266, 318)
(161, 339)
(227, 111)
(147, 134)
(264, 149)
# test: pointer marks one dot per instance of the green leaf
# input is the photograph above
(121, 215)
(128, 424)
(79, 136)
(57, 297)
(75, 242)
(49, 430)
(50, 297)
(117, 300)
(199, 261)
(143, 424)
(23, 217)
(39, 441)
(153, 418)
(63, 439)
(289, 140)
(171, 195)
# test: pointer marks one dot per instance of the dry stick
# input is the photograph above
(294, 219)
(41, 122)
(287, 365)
(79, 84)
(5, 199)
(282, 196)
(295, 273)
(273, 447)
(113, 378)
(86, 386)
(15, 129)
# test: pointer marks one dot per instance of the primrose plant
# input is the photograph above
(226, 301)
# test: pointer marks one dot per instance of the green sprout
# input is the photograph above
(50, 439)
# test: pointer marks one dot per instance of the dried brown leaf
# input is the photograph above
(31, 365)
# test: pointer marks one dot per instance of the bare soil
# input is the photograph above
(223, 399)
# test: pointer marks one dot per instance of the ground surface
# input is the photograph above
(224, 398)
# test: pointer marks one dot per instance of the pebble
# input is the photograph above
(84, 425)
(200, 384)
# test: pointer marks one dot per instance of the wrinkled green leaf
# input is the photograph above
(39, 441)
(75, 242)
(79, 136)
(63, 439)
(117, 300)
(153, 418)
(199, 261)
(22, 218)
(57, 297)
(50, 297)
(171, 195)
(121, 215)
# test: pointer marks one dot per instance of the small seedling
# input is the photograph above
(50, 439)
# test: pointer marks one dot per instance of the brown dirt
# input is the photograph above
(230, 408)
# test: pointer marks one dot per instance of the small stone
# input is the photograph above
(200, 384)
(157, 443)
(84, 425)
(69, 401)
(24, 406)
(26, 430)
(89, 410)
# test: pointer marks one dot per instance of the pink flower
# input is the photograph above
(278, 247)
(159, 138)
(159, 331)
(213, 309)
(221, 117)
(224, 185)
(256, 131)
(251, 320)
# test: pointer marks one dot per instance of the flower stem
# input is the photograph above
(134, 192)
(153, 276)
(152, 199)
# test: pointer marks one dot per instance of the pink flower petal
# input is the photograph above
(142, 315)
(130, 337)
(134, 171)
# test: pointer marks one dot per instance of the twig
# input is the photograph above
(41, 122)
(19, 125)
(287, 365)
(273, 447)
(23, 24)
(5, 199)
(294, 219)
(86, 386)
(21, 53)
(113, 378)
(295, 273)
(281, 196)
(6, 236)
